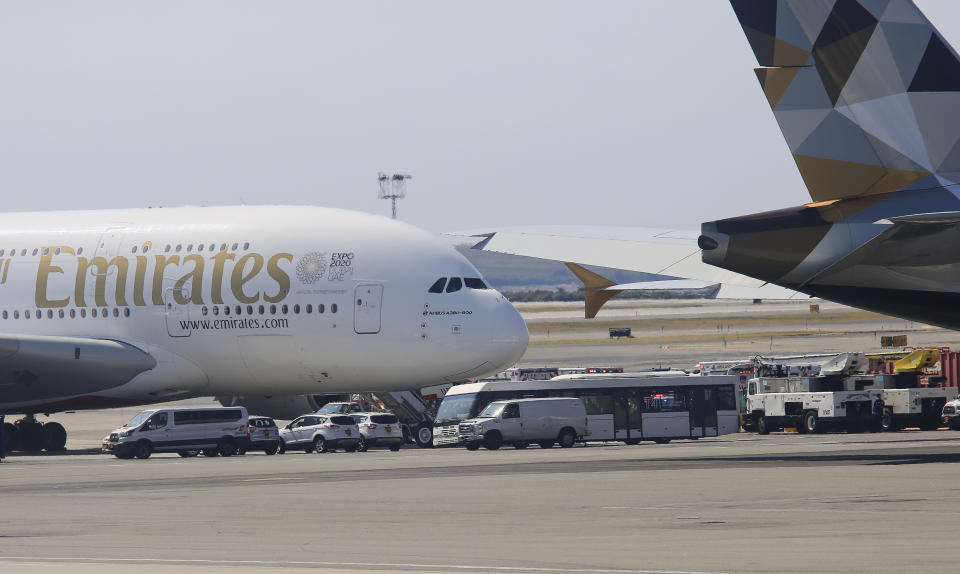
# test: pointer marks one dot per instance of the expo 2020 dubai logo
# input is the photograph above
(310, 267)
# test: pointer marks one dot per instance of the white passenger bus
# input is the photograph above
(657, 406)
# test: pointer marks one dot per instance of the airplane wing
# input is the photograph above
(34, 368)
(669, 252)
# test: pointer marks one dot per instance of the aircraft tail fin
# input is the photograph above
(866, 92)
(594, 295)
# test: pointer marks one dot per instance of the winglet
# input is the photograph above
(594, 295)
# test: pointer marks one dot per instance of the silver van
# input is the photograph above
(523, 421)
(185, 431)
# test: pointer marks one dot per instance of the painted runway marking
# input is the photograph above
(270, 478)
(283, 563)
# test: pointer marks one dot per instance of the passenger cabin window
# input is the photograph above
(474, 283)
(438, 285)
(455, 284)
(511, 411)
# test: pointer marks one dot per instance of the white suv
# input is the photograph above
(379, 429)
(320, 433)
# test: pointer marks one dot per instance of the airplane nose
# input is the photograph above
(510, 335)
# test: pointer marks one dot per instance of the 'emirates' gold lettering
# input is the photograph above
(188, 281)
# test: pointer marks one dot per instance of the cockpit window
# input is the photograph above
(455, 284)
(474, 283)
(437, 287)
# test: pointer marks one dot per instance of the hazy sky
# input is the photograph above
(506, 113)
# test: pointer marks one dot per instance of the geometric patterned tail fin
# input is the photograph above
(867, 93)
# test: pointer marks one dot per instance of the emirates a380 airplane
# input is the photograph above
(273, 304)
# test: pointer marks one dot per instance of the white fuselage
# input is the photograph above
(269, 300)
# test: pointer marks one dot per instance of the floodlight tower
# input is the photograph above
(393, 187)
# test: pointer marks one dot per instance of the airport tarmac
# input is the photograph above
(740, 503)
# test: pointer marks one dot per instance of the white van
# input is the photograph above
(522, 421)
(187, 432)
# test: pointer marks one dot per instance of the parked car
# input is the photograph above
(184, 431)
(320, 433)
(263, 434)
(379, 429)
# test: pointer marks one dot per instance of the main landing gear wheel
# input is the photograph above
(54, 437)
(30, 433)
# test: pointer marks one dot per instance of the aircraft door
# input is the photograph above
(177, 316)
(366, 309)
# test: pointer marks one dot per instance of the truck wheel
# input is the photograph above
(473, 445)
(545, 443)
(762, 425)
(226, 447)
(424, 435)
(886, 423)
(567, 438)
(142, 450)
(810, 424)
(492, 440)
(124, 453)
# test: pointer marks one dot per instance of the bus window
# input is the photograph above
(726, 398)
(658, 400)
(598, 404)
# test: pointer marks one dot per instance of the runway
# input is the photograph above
(741, 503)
